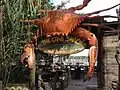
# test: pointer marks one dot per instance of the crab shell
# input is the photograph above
(62, 23)
(59, 22)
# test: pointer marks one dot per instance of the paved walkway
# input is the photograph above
(80, 85)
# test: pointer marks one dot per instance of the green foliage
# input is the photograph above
(14, 34)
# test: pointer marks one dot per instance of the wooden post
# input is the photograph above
(117, 56)
(1, 33)
(32, 74)
(119, 78)
(100, 70)
(100, 65)
(118, 48)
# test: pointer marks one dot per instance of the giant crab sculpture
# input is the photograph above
(64, 27)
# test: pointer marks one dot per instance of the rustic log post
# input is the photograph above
(32, 74)
(118, 47)
(117, 56)
(0, 45)
(1, 33)
(100, 64)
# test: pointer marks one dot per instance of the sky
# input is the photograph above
(93, 5)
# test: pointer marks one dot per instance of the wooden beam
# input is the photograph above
(1, 34)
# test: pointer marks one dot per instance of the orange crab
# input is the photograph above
(57, 28)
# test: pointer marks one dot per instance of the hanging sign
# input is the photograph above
(61, 45)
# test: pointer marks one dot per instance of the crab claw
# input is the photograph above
(92, 56)
(27, 57)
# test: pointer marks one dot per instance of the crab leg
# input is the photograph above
(96, 12)
(93, 51)
(27, 56)
(93, 43)
(79, 7)
(92, 61)
(97, 25)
